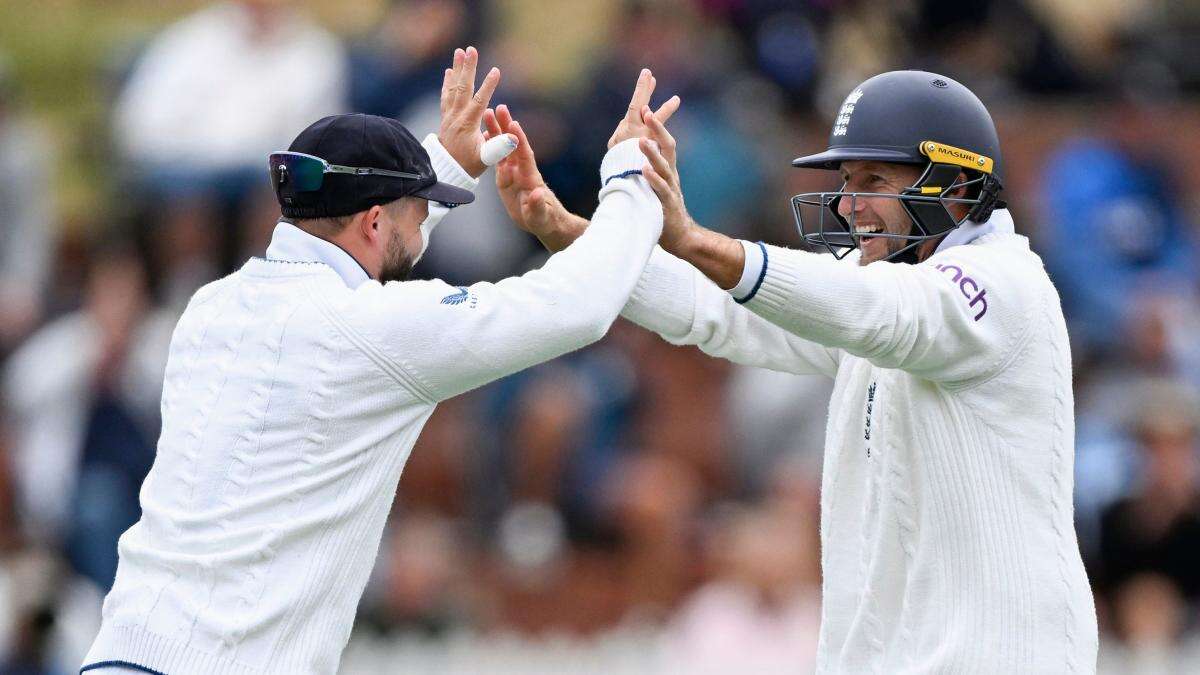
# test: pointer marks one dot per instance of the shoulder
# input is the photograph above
(402, 303)
(1001, 266)
(211, 290)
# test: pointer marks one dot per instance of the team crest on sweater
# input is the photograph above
(463, 295)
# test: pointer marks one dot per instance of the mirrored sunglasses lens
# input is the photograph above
(296, 172)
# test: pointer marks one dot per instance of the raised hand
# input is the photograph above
(526, 197)
(632, 125)
(662, 172)
(462, 110)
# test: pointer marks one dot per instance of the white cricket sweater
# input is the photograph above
(947, 533)
(292, 399)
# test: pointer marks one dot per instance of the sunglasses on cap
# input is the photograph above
(306, 173)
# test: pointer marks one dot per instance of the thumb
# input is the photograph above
(538, 202)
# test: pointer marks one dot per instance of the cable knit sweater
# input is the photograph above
(947, 535)
(295, 389)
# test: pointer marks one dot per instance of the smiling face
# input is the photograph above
(877, 214)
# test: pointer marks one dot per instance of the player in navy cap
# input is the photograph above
(296, 387)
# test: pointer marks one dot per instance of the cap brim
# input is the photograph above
(833, 157)
(446, 194)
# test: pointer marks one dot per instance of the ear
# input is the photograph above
(368, 223)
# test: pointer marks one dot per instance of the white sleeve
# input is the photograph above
(678, 302)
(954, 318)
(450, 340)
(447, 170)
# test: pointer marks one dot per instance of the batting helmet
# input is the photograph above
(909, 117)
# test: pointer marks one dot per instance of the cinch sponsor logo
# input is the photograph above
(970, 289)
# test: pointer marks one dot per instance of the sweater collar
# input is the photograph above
(1001, 221)
(293, 244)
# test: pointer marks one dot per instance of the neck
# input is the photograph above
(342, 240)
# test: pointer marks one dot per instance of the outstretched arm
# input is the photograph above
(930, 319)
(672, 298)
(440, 341)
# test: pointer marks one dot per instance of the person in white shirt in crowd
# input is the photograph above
(113, 349)
(296, 387)
(947, 537)
(223, 87)
(26, 215)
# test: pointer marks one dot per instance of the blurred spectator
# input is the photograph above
(182, 239)
(84, 393)
(775, 417)
(403, 59)
(26, 215)
(661, 35)
(218, 91)
(417, 587)
(28, 589)
(761, 611)
(1156, 530)
(1115, 220)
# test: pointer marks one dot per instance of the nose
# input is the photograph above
(848, 204)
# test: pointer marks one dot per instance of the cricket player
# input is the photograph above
(296, 386)
(947, 538)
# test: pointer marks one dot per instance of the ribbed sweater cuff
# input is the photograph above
(128, 644)
(623, 160)
(784, 272)
(446, 168)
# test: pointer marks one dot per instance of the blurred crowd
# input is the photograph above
(634, 506)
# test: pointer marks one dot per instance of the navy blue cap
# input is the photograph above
(364, 141)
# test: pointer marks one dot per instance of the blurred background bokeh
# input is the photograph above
(634, 507)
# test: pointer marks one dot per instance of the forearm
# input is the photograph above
(568, 303)
(717, 256)
(673, 299)
(568, 228)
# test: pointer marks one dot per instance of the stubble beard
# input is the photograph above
(397, 263)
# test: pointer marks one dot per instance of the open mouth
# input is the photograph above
(864, 232)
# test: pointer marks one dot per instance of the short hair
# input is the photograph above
(333, 225)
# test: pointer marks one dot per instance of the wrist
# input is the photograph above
(688, 243)
(447, 166)
(720, 258)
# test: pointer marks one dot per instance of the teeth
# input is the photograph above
(868, 229)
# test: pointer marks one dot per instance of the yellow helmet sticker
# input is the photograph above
(948, 154)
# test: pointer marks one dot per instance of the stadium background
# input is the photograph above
(634, 507)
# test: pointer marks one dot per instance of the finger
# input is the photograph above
(447, 81)
(641, 94)
(504, 116)
(667, 109)
(658, 131)
(526, 162)
(504, 175)
(496, 149)
(467, 76)
(657, 183)
(491, 123)
(657, 160)
(538, 202)
(482, 97)
(456, 77)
